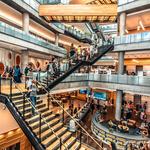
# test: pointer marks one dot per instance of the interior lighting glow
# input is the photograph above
(134, 60)
(2, 136)
(141, 24)
(10, 133)
(126, 31)
(138, 28)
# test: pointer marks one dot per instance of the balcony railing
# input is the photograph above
(17, 33)
(132, 38)
(73, 31)
(123, 2)
(108, 27)
(121, 79)
(53, 1)
(91, 77)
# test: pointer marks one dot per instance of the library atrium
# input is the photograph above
(74, 74)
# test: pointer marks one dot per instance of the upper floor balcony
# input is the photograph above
(130, 6)
(32, 7)
(128, 83)
(130, 42)
(18, 37)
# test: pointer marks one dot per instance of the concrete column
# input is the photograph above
(122, 25)
(25, 22)
(121, 62)
(118, 104)
(24, 58)
(56, 39)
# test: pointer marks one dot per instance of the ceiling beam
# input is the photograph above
(78, 10)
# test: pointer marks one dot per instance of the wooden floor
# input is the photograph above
(15, 88)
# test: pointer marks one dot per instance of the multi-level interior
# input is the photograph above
(74, 74)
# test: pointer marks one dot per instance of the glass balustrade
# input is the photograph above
(73, 31)
(53, 1)
(33, 4)
(121, 79)
(14, 32)
(132, 38)
(108, 27)
(123, 2)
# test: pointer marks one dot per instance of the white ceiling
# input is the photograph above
(11, 46)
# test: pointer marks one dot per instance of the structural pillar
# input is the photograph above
(122, 24)
(24, 58)
(25, 22)
(118, 104)
(56, 39)
(119, 93)
(121, 62)
(122, 29)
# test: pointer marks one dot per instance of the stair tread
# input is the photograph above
(20, 105)
(54, 144)
(45, 125)
(74, 146)
(53, 135)
(36, 122)
(39, 109)
(49, 130)
(37, 116)
(84, 147)
(68, 142)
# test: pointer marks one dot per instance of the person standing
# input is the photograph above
(79, 52)
(33, 95)
(17, 74)
(26, 71)
(72, 52)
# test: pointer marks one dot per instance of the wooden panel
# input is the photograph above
(78, 10)
(14, 137)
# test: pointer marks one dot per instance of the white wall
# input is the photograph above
(7, 122)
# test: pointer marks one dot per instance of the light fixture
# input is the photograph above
(138, 28)
(126, 31)
(134, 60)
(141, 24)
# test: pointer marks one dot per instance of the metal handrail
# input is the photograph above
(71, 116)
(16, 85)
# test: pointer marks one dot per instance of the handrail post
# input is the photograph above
(63, 114)
(0, 83)
(10, 89)
(23, 105)
(25, 82)
(48, 100)
(80, 136)
(60, 144)
(39, 79)
(47, 78)
(40, 128)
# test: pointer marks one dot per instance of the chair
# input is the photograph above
(131, 123)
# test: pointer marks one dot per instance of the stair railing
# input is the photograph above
(41, 118)
(77, 123)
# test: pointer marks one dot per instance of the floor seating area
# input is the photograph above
(122, 134)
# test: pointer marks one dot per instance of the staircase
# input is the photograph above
(45, 130)
(51, 82)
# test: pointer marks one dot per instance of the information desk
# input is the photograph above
(121, 139)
